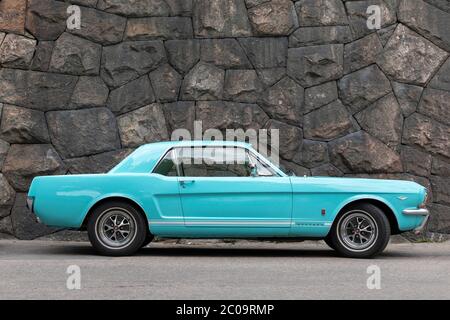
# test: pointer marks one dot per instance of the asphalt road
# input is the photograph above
(248, 270)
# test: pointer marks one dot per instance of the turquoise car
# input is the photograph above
(217, 189)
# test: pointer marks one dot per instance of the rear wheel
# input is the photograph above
(362, 231)
(116, 229)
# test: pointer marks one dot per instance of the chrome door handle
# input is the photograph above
(183, 183)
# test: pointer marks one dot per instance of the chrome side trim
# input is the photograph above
(221, 223)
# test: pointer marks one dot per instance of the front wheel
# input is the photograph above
(116, 229)
(362, 231)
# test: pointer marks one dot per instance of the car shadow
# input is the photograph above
(84, 249)
(235, 252)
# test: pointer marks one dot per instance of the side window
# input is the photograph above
(167, 166)
(214, 162)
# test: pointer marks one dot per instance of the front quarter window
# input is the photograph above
(167, 166)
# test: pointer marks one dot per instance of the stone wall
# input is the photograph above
(349, 101)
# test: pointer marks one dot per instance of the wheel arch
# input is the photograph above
(380, 203)
(114, 198)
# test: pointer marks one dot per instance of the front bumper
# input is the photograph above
(418, 212)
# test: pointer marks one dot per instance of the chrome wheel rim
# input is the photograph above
(358, 231)
(116, 228)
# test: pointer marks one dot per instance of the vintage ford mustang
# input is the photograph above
(217, 189)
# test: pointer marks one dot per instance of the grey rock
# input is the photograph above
(311, 66)
(100, 27)
(21, 125)
(127, 61)
(89, 92)
(164, 28)
(440, 167)
(203, 82)
(410, 58)
(220, 19)
(4, 147)
(99, 163)
(328, 122)
(26, 161)
(321, 12)
(266, 53)
(46, 19)
(290, 139)
(183, 54)
(313, 36)
(85, 3)
(361, 153)
(361, 53)
(386, 33)
(75, 55)
(429, 21)
(166, 82)
(133, 95)
(7, 195)
(441, 4)
(284, 101)
(383, 120)
(442, 79)
(274, 18)
(24, 222)
(2, 37)
(363, 87)
(6, 226)
(439, 219)
(318, 96)
(358, 16)
(326, 170)
(312, 154)
(271, 76)
(141, 8)
(253, 3)
(36, 90)
(415, 161)
(428, 134)
(242, 86)
(16, 51)
(42, 56)
(408, 97)
(180, 8)
(180, 115)
(436, 105)
(224, 53)
(142, 126)
(441, 190)
(230, 115)
(78, 133)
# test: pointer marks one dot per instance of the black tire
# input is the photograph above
(356, 223)
(147, 240)
(329, 242)
(103, 229)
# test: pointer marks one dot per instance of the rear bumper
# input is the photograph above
(423, 212)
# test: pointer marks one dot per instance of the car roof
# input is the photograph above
(196, 143)
(146, 157)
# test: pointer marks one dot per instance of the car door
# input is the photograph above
(222, 197)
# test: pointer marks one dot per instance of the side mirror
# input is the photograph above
(253, 170)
